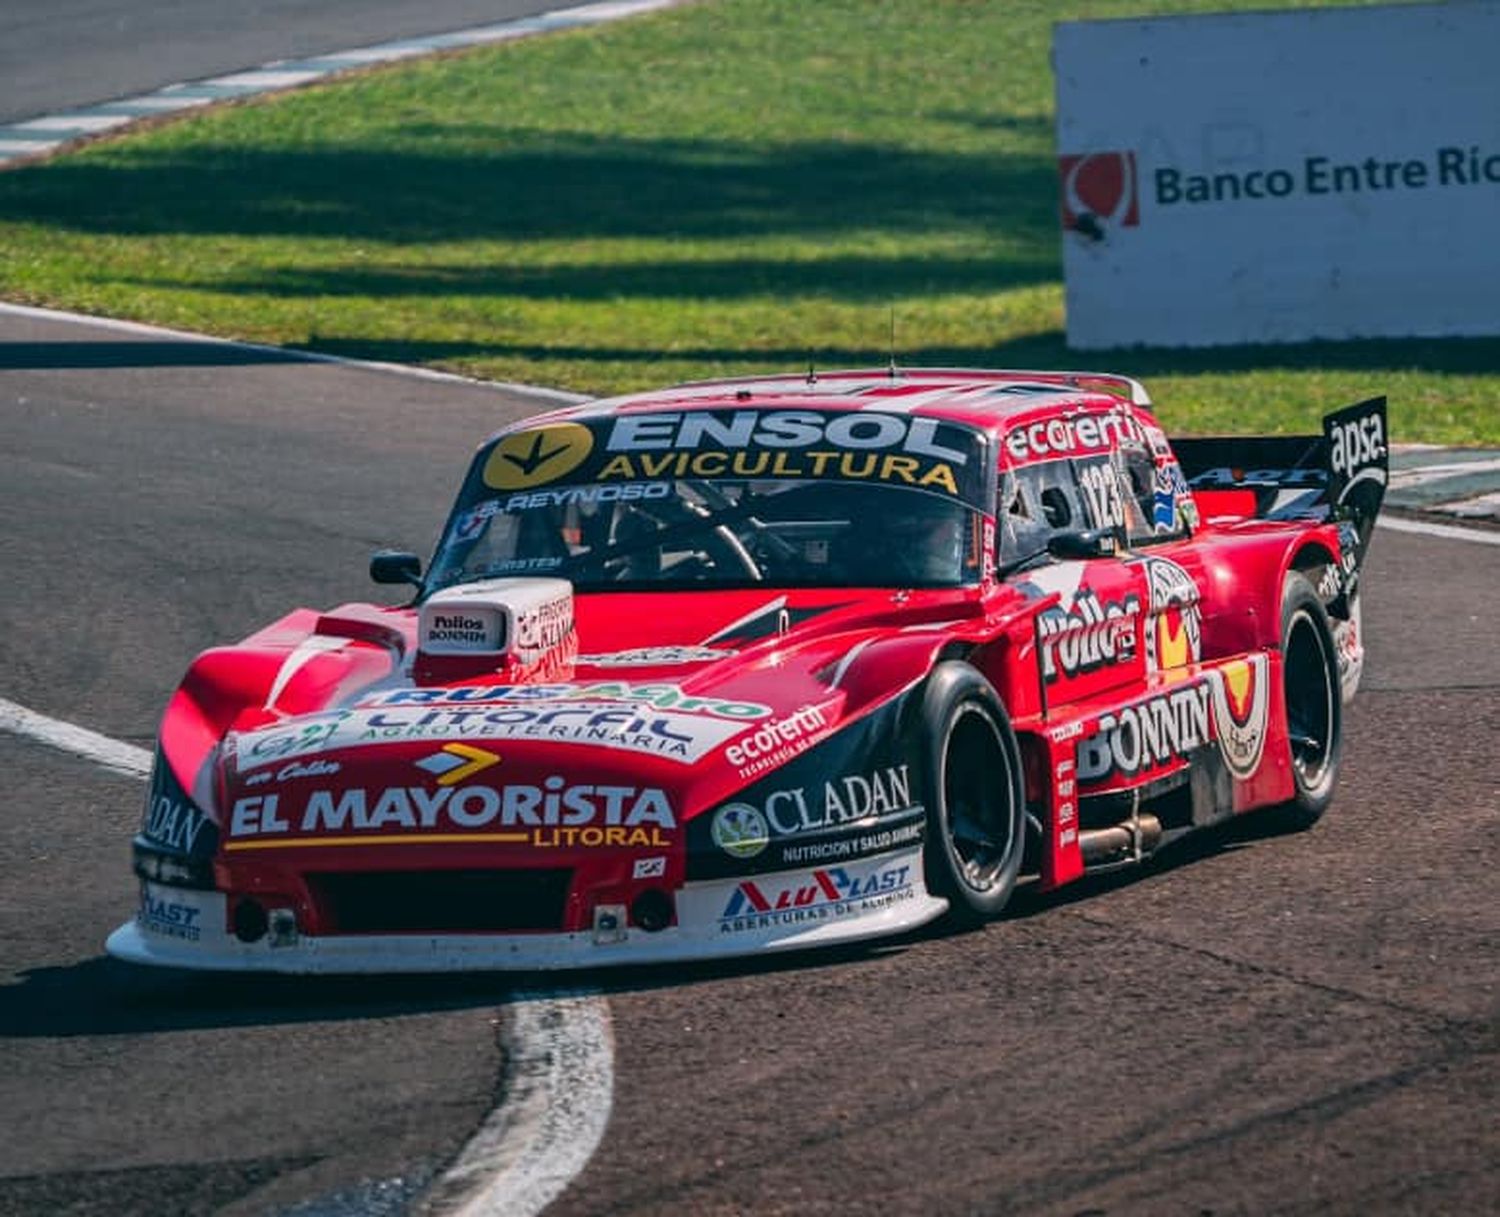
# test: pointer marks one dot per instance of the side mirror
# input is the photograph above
(395, 566)
(1079, 543)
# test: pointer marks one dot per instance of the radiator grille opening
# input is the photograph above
(416, 902)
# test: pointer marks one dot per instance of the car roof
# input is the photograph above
(985, 399)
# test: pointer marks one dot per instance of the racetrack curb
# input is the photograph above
(556, 1083)
(35, 138)
(558, 397)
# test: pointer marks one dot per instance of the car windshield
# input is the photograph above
(642, 535)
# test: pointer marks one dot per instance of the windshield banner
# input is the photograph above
(863, 446)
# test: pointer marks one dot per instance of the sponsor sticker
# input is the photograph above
(855, 797)
(536, 457)
(1082, 634)
(1086, 433)
(793, 900)
(1227, 706)
(740, 830)
(171, 819)
(1357, 446)
(551, 814)
(851, 796)
(1148, 735)
(1174, 632)
(651, 448)
(171, 912)
(455, 763)
(777, 742)
(1241, 699)
(459, 630)
(294, 771)
(587, 496)
(678, 736)
(640, 657)
(649, 868)
(1168, 490)
(819, 821)
(657, 696)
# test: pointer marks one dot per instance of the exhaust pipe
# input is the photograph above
(1129, 841)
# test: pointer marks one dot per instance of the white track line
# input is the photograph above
(1447, 532)
(560, 1086)
(558, 1053)
(558, 396)
(113, 754)
(48, 133)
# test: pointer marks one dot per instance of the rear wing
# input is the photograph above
(1340, 474)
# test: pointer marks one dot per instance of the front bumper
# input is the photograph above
(185, 929)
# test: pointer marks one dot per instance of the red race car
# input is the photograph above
(766, 664)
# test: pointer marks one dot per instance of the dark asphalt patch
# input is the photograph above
(157, 1191)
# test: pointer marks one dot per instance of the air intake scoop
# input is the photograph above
(493, 624)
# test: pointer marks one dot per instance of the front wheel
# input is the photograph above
(1314, 704)
(974, 794)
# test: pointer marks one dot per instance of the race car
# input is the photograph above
(766, 664)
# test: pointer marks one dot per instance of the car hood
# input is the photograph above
(661, 707)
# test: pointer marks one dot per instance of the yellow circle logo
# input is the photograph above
(533, 458)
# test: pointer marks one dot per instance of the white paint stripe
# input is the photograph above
(1446, 531)
(71, 124)
(1484, 506)
(80, 741)
(19, 147)
(611, 10)
(163, 101)
(499, 33)
(558, 1052)
(753, 615)
(849, 657)
(377, 54)
(266, 79)
(550, 396)
(559, 1089)
(301, 655)
(281, 73)
(1418, 475)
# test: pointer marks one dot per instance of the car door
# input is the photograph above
(1089, 635)
(1163, 556)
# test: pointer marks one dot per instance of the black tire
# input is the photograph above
(976, 810)
(1313, 704)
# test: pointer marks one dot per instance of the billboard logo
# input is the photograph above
(1099, 192)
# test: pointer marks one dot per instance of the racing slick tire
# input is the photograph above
(1313, 703)
(976, 806)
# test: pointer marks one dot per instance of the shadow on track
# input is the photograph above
(151, 353)
(102, 996)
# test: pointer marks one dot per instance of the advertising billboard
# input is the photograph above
(1278, 177)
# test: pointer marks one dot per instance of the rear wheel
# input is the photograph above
(974, 794)
(1314, 706)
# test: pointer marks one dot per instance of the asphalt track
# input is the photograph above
(1264, 1024)
(57, 54)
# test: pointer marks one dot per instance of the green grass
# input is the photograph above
(733, 186)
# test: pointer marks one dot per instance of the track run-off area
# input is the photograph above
(1256, 1024)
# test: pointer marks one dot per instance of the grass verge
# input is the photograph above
(735, 186)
